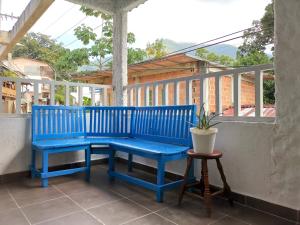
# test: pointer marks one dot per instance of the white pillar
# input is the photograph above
(286, 144)
(120, 79)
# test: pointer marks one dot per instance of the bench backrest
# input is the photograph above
(108, 121)
(168, 124)
(50, 122)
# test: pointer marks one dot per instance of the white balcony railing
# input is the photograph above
(137, 91)
(37, 88)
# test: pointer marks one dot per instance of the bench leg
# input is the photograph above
(129, 162)
(160, 179)
(88, 163)
(33, 163)
(111, 164)
(45, 169)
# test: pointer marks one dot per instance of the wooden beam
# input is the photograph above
(33, 11)
(4, 37)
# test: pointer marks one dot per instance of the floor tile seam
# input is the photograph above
(41, 202)
(98, 220)
(57, 217)
(165, 217)
(18, 206)
(137, 218)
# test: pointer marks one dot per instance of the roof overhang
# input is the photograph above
(110, 6)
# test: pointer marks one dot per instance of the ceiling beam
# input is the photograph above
(33, 11)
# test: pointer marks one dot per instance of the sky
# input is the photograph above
(179, 20)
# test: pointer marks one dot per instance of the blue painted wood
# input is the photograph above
(160, 133)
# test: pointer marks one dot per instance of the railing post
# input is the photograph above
(1, 87)
(176, 93)
(18, 97)
(93, 95)
(52, 93)
(155, 94)
(237, 93)
(189, 92)
(165, 94)
(36, 93)
(146, 95)
(67, 95)
(218, 91)
(138, 96)
(80, 97)
(258, 93)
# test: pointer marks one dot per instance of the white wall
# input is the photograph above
(15, 150)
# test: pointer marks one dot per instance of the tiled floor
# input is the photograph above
(71, 201)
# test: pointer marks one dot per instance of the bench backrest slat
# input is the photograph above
(167, 124)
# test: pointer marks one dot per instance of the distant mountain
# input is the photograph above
(221, 49)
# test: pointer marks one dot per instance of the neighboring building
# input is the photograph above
(30, 69)
(177, 66)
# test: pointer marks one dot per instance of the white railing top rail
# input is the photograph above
(240, 70)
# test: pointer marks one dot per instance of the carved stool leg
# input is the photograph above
(226, 188)
(207, 196)
(186, 176)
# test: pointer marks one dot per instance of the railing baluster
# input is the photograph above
(258, 93)
(138, 96)
(18, 97)
(202, 91)
(189, 92)
(104, 100)
(237, 94)
(165, 94)
(130, 97)
(52, 93)
(155, 94)
(93, 95)
(67, 95)
(80, 97)
(36, 93)
(146, 95)
(218, 93)
(176, 93)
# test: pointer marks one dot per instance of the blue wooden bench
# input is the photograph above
(58, 129)
(159, 133)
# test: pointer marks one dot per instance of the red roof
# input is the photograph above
(268, 111)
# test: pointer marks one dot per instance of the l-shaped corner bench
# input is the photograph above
(160, 133)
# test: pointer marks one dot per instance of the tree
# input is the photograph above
(261, 35)
(157, 49)
(42, 47)
(102, 46)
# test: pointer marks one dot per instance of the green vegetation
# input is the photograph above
(8, 73)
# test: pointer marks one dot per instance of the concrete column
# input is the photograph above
(286, 143)
(120, 78)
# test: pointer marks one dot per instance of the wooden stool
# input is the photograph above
(204, 181)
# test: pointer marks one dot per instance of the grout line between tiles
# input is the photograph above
(165, 217)
(137, 218)
(58, 217)
(21, 210)
(37, 203)
(217, 220)
(85, 210)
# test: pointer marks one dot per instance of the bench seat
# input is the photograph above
(59, 143)
(141, 146)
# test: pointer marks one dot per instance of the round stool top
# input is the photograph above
(214, 155)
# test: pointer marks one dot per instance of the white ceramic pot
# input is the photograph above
(204, 140)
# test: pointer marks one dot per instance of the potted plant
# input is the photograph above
(204, 133)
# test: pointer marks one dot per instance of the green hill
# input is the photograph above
(221, 49)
